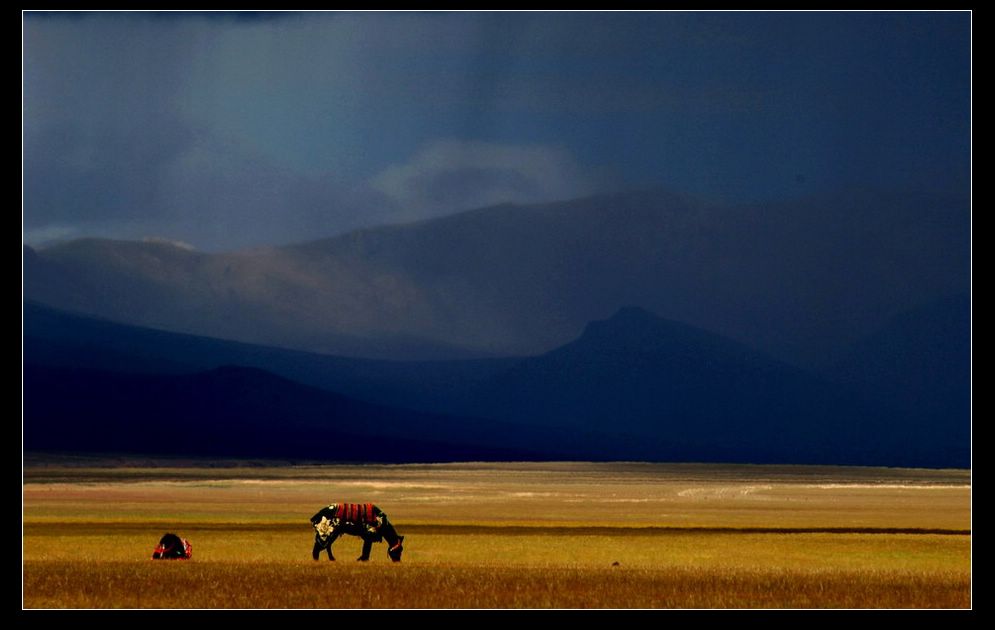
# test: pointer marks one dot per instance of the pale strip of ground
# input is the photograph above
(565, 494)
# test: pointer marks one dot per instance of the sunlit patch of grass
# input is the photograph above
(304, 584)
(265, 568)
(524, 538)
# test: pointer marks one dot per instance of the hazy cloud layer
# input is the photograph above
(169, 180)
(451, 175)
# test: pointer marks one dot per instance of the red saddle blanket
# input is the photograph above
(356, 513)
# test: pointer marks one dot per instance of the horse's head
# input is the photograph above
(395, 551)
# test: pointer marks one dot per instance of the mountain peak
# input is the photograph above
(635, 331)
(628, 321)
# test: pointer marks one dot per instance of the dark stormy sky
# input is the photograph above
(226, 131)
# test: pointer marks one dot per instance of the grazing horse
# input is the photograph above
(358, 519)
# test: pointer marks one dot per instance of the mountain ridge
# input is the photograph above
(796, 279)
(633, 386)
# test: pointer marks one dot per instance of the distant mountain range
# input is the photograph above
(229, 412)
(801, 280)
(633, 386)
(919, 364)
(829, 330)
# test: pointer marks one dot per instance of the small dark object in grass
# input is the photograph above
(172, 547)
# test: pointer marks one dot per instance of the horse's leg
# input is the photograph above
(326, 545)
(331, 539)
(367, 547)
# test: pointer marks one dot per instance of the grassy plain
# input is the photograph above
(565, 535)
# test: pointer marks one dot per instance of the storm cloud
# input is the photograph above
(233, 130)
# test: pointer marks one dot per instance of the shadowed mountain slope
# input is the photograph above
(799, 279)
(634, 386)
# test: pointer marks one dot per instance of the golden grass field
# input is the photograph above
(562, 535)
